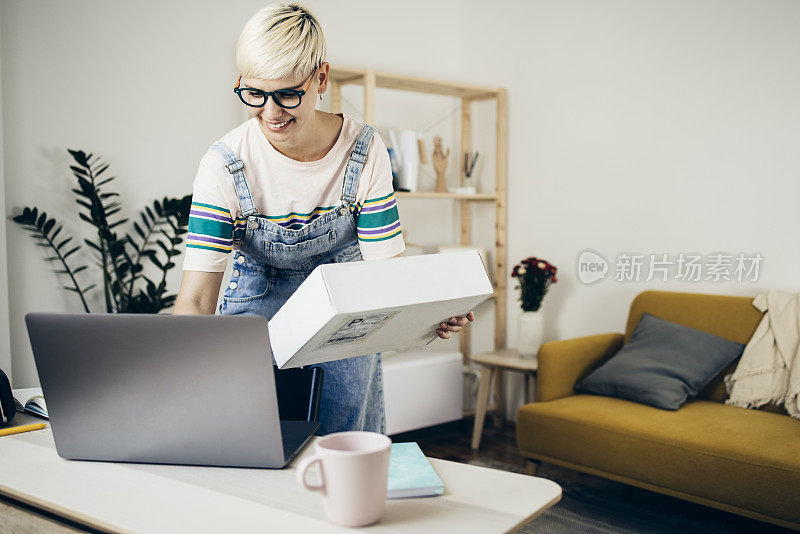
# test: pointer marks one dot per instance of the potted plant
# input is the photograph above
(534, 276)
(128, 287)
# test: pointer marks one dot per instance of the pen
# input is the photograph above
(23, 428)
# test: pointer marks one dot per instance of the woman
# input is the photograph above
(292, 188)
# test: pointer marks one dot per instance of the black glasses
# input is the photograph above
(285, 98)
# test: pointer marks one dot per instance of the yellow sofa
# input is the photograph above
(739, 460)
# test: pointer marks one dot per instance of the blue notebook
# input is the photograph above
(411, 474)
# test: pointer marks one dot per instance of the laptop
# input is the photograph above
(167, 389)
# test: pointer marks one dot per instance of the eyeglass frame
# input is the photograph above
(268, 94)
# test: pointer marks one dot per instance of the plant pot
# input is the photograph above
(531, 329)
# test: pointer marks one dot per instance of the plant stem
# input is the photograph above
(164, 272)
(63, 261)
(138, 261)
(105, 253)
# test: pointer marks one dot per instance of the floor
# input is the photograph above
(610, 499)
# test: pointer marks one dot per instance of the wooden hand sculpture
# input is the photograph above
(440, 164)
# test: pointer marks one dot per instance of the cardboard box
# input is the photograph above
(344, 310)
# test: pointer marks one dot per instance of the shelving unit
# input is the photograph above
(371, 81)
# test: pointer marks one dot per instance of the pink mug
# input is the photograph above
(354, 468)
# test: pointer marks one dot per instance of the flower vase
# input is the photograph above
(531, 329)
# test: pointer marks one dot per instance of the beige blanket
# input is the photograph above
(769, 370)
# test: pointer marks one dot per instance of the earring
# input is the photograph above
(320, 96)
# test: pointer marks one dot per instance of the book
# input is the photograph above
(30, 400)
(411, 474)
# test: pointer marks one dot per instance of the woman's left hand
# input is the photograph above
(454, 325)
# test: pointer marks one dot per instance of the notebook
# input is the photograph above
(30, 400)
(411, 474)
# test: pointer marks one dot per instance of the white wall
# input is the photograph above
(5, 342)
(639, 126)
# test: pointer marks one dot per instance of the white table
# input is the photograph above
(160, 498)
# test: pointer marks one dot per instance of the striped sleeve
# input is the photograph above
(380, 234)
(379, 220)
(210, 238)
(210, 228)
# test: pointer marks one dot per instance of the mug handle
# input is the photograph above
(303, 466)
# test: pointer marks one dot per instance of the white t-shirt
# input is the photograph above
(290, 193)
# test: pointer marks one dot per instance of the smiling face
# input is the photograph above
(288, 125)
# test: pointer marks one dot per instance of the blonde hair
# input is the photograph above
(279, 41)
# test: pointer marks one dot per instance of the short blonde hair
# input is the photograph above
(279, 41)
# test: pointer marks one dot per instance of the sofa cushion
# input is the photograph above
(727, 316)
(722, 453)
(663, 365)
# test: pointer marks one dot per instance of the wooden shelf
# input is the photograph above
(468, 94)
(452, 196)
(351, 76)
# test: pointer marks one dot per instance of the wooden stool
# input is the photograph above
(491, 363)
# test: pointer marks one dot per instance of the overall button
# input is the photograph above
(240, 259)
(236, 272)
(233, 285)
(252, 224)
(343, 210)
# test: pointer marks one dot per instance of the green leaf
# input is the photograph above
(80, 157)
(93, 245)
(71, 252)
(85, 185)
(49, 225)
(78, 170)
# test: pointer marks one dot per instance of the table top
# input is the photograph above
(506, 358)
(122, 497)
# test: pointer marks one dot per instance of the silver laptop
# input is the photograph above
(195, 390)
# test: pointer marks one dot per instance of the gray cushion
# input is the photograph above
(663, 365)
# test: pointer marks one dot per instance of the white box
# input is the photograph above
(351, 309)
(422, 388)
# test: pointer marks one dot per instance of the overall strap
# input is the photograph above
(235, 167)
(356, 164)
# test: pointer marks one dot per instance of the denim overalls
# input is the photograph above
(271, 261)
